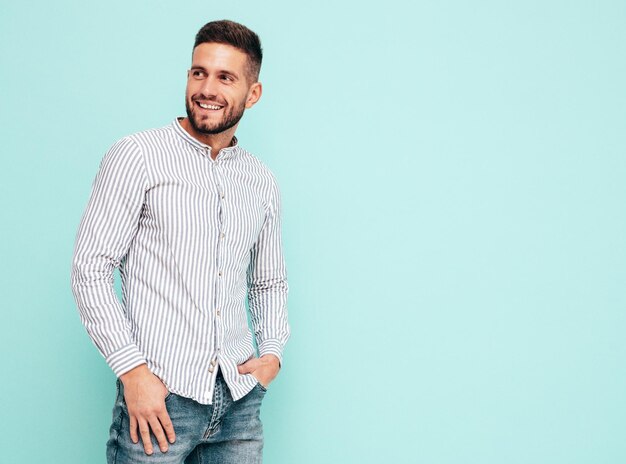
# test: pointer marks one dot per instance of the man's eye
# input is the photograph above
(226, 77)
(197, 74)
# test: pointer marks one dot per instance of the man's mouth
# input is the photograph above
(209, 106)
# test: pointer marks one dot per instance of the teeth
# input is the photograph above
(209, 107)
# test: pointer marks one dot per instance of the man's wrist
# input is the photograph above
(135, 373)
(271, 357)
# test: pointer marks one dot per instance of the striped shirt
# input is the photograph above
(192, 237)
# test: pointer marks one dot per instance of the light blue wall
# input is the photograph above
(453, 178)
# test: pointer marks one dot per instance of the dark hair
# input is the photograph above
(237, 35)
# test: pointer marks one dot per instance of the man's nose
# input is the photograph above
(209, 87)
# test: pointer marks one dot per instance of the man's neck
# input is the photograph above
(215, 141)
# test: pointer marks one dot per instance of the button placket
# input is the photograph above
(219, 262)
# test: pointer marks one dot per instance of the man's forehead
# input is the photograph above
(212, 52)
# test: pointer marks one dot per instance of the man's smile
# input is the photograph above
(209, 106)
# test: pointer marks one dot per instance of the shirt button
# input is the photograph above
(219, 273)
(222, 235)
(218, 312)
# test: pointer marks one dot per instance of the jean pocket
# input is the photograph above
(261, 387)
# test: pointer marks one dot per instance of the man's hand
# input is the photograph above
(264, 369)
(145, 393)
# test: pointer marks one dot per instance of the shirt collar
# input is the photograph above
(225, 153)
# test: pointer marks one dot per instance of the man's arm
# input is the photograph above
(267, 295)
(107, 228)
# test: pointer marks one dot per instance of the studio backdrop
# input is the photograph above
(453, 177)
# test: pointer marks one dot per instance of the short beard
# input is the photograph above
(231, 119)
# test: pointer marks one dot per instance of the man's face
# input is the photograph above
(218, 89)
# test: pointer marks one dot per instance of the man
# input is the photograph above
(192, 221)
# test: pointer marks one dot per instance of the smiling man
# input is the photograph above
(192, 221)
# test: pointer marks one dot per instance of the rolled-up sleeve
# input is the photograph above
(106, 231)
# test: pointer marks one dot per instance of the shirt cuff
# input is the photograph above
(272, 346)
(125, 359)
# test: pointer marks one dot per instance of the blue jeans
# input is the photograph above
(225, 432)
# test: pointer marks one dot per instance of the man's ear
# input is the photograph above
(254, 94)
